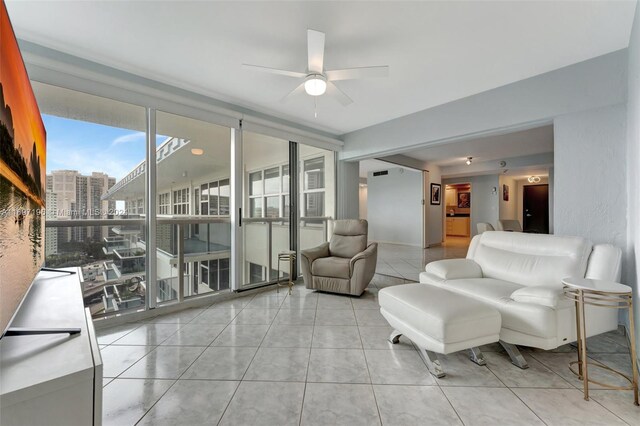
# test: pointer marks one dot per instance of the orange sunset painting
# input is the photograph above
(22, 176)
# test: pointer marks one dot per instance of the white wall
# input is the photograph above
(590, 194)
(435, 212)
(508, 210)
(633, 167)
(484, 201)
(362, 198)
(348, 190)
(394, 207)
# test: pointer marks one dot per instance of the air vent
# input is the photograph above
(382, 173)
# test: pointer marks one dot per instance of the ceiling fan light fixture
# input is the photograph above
(315, 85)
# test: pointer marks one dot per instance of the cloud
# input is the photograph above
(131, 137)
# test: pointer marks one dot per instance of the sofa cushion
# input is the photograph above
(442, 315)
(453, 269)
(545, 296)
(528, 318)
(530, 259)
(332, 266)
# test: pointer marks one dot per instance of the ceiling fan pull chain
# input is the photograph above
(315, 106)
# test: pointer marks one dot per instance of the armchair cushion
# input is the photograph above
(454, 269)
(349, 238)
(336, 267)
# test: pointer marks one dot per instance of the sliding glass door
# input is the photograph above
(267, 205)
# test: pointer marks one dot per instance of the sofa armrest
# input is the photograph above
(551, 297)
(454, 269)
(316, 252)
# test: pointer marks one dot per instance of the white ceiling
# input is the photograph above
(538, 140)
(437, 51)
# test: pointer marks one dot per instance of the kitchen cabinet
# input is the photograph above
(458, 226)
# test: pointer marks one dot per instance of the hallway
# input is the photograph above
(403, 261)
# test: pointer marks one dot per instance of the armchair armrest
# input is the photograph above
(551, 297)
(370, 252)
(454, 269)
(316, 252)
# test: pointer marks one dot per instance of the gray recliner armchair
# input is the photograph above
(346, 264)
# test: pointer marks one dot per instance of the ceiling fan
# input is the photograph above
(317, 80)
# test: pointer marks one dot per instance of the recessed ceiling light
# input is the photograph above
(197, 151)
(469, 161)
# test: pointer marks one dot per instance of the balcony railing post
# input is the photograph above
(180, 238)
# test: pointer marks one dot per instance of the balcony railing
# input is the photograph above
(112, 254)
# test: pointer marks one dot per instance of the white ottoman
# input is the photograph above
(440, 321)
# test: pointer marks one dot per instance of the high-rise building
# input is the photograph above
(51, 234)
(79, 197)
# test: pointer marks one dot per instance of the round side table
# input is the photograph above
(286, 256)
(605, 294)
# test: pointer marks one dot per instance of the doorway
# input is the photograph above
(535, 212)
(457, 213)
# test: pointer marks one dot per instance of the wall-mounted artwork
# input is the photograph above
(505, 192)
(22, 177)
(436, 191)
(464, 200)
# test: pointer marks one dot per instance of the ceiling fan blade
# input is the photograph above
(354, 73)
(276, 71)
(299, 89)
(315, 50)
(339, 95)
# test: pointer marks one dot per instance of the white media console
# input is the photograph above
(51, 379)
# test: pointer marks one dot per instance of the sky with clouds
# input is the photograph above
(89, 147)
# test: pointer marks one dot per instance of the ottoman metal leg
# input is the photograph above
(516, 357)
(476, 356)
(431, 359)
(395, 337)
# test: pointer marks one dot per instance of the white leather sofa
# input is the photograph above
(521, 276)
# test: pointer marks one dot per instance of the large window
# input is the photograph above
(95, 156)
(269, 192)
(97, 170)
(164, 203)
(181, 201)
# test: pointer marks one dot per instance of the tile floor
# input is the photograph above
(407, 262)
(318, 359)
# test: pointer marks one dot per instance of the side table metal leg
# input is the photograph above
(583, 346)
(578, 340)
(277, 276)
(634, 359)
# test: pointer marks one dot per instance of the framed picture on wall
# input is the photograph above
(436, 191)
(505, 192)
(464, 200)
